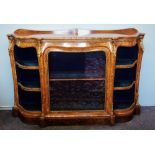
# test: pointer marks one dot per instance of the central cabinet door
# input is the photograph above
(76, 80)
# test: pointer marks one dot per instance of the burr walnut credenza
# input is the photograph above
(76, 75)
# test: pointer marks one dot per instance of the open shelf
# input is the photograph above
(26, 56)
(74, 75)
(126, 56)
(77, 95)
(124, 105)
(76, 65)
(125, 77)
(30, 101)
(123, 99)
(28, 78)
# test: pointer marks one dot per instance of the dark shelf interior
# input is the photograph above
(124, 77)
(122, 106)
(26, 56)
(77, 95)
(123, 98)
(66, 105)
(28, 78)
(126, 55)
(76, 65)
(30, 100)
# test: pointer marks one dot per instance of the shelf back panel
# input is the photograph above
(77, 94)
(126, 55)
(123, 99)
(30, 101)
(26, 56)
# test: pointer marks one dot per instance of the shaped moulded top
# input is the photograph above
(76, 34)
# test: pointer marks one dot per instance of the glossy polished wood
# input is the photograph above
(76, 41)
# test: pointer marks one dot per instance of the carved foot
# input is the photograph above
(112, 119)
(14, 112)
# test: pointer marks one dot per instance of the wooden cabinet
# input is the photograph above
(76, 75)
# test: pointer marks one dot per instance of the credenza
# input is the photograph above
(76, 76)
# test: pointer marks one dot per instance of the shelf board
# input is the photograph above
(28, 88)
(75, 79)
(125, 85)
(126, 64)
(27, 62)
(74, 99)
(26, 67)
(75, 74)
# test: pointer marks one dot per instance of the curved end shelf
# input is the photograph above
(126, 65)
(128, 112)
(28, 88)
(27, 67)
(125, 87)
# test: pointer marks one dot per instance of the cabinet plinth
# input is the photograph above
(76, 75)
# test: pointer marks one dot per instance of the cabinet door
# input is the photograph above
(76, 79)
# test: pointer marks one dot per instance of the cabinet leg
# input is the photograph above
(14, 112)
(137, 109)
(112, 119)
(42, 122)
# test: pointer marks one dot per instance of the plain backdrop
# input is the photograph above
(147, 79)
